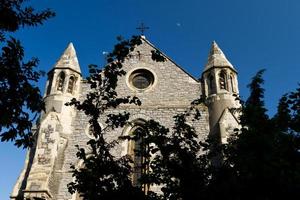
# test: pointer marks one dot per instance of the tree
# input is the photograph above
(20, 97)
(175, 160)
(294, 106)
(104, 176)
(262, 159)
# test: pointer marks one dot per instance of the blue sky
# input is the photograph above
(253, 34)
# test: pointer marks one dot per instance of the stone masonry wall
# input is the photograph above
(171, 93)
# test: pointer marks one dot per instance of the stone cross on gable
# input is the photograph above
(142, 28)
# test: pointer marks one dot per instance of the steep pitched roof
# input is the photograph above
(149, 43)
(68, 59)
(217, 58)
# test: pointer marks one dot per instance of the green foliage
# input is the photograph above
(20, 97)
(262, 159)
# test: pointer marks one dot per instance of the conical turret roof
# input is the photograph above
(217, 58)
(68, 59)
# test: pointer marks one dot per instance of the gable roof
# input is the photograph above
(167, 57)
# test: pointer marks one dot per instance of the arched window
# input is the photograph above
(211, 85)
(50, 80)
(71, 84)
(222, 80)
(137, 149)
(232, 83)
(60, 81)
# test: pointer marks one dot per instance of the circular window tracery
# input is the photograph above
(141, 79)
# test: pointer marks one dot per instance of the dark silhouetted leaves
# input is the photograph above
(262, 159)
(157, 56)
(103, 176)
(20, 99)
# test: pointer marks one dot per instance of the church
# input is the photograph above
(164, 88)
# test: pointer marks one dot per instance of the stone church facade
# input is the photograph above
(164, 88)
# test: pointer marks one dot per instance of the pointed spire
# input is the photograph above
(216, 58)
(68, 59)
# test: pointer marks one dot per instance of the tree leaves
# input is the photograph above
(157, 56)
(13, 15)
(102, 176)
(20, 97)
(262, 160)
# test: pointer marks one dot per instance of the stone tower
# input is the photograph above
(220, 86)
(54, 127)
(164, 88)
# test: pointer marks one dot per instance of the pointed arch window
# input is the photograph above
(60, 81)
(222, 80)
(137, 149)
(211, 86)
(50, 79)
(71, 84)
